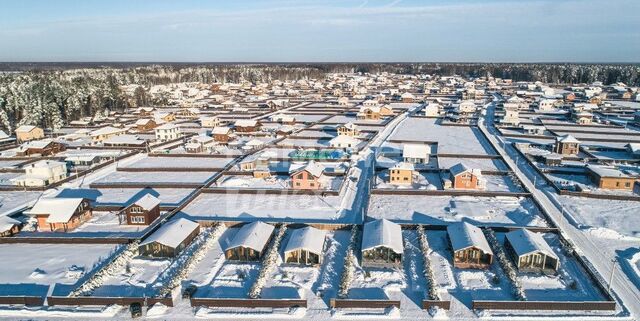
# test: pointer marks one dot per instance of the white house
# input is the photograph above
(344, 142)
(431, 109)
(42, 173)
(167, 132)
(416, 153)
(210, 122)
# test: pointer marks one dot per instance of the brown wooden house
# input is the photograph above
(469, 246)
(60, 214)
(40, 147)
(170, 239)
(249, 243)
(142, 211)
(567, 145)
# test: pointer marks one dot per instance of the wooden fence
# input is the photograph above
(93, 300)
(426, 304)
(546, 305)
(248, 303)
(25, 300)
(365, 304)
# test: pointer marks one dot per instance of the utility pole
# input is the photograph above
(613, 269)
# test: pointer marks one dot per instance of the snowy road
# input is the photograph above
(621, 285)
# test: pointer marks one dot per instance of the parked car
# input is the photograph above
(189, 291)
(136, 309)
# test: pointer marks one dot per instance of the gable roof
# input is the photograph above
(246, 123)
(172, 233)
(147, 202)
(60, 210)
(382, 233)
(464, 235)
(416, 150)
(254, 235)
(567, 139)
(25, 128)
(525, 242)
(308, 238)
(313, 168)
(460, 168)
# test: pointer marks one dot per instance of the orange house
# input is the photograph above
(307, 177)
(463, 177)
(61, 214)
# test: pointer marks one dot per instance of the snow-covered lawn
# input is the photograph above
(31, 268)
(464, 285)
(451, 139)
(318, 143)
(124, 196)
(613, 215)
(570, 283)
(156, 177)
(135, 279)
(341, 119)
(250, 207)
(481, 163)
(106, 223)
(500, 183)
(232, 280)
(180, 162)
(274, 182)
(10, 200)
(520, 211)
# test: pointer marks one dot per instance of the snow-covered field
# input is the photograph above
(33, 267)
(124, 196)
(451, 139)
(274, 182)
(156, 177)
(319, 143)
(181, 162)
(614, 215)
(10, 201)
(519, 211)
(481, 163)
(250, 207)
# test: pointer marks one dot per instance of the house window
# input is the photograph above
(297, 183)
(627, 184)
(312, 184)
(137, 219)
(136, 209)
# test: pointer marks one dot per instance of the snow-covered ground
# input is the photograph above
(180, 162)
(250, 207)
(156, 177)
(31, 268)
(519, 211)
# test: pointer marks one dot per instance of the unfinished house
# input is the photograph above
(249, 243)
(401, 174)
(469, 246)
(170, 239)
(305, 246)
(530, 251)
(382, 244)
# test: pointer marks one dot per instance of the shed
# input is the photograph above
(382, 244)
(250, 242)
(305, 246)
(171, 238)
(470, 247)
(530, 251)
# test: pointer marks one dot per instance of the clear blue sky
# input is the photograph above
(320, 30)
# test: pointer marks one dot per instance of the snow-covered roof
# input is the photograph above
(567, 139)
(60, 210)
(382, 233)
(3, 135)
(308, 238)
(38, 144)
(124, 139)
(168, 126)
(46, 164)
(147, 202)
(246, 123)
(404, 166)
(340, 139)
(634, 148)
(350, 126)
(220, 130)
(143, 121)
(6, 223)
(416, 150)
(172, 233)
(464, 235)
(525, 242)
(460, 168)
(25, 128)
(106, 131)
(313, 168)
(607, 171)
(254, 235)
